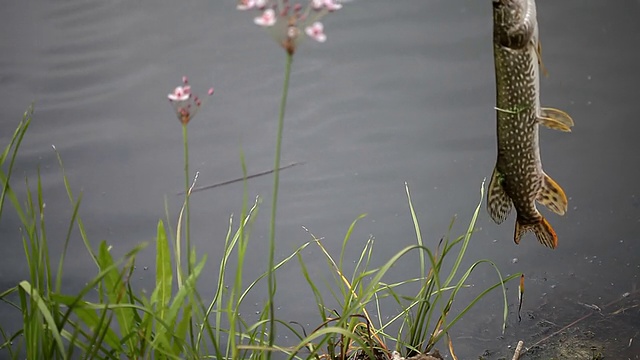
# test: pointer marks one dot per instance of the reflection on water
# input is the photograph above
(400, 92)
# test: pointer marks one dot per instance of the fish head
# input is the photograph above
(512, 11)
(514, 22)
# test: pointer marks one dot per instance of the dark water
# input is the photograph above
(401, 91)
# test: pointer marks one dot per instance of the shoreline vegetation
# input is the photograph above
(178, 321)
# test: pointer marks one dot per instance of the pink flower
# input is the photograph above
(185, 104)
(246, 4)
(287, 19)
(315, 31)
(332, 5)
(250, 4)
(180, 94)
(268, 18)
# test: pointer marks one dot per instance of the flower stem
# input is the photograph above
(276, 179)
(187, 232)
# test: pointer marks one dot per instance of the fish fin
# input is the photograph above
(552, 196)
(538, 48)
(542, 229)
(555, 119)
(498, 202)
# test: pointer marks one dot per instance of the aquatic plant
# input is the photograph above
(285, 22)
(186, 105)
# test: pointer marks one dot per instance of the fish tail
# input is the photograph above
(542, 229)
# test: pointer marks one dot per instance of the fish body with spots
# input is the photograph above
(518, 180)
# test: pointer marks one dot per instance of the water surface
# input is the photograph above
(401, 91)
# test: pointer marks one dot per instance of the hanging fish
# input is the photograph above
(518, 179)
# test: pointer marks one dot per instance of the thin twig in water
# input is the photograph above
(453, 354)
(520, 296)
(206, 187)
(516, 355)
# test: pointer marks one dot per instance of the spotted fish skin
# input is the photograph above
(518, 180)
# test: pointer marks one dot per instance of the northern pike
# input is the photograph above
(518, 179)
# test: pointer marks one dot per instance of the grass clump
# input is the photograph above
(426, 316)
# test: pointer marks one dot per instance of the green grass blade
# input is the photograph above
(316, 293)
(90, 318)
(74, 215)
(181, 329)
(9, 342)
(14, 143)
(330, 331)
(163, 272)
(83, 233)
(91, 285)
(178, 302)
(467, 237)
(347, 236)
(46, 314)
(265, 274)
(483, 293)
(416, 227)
(17, 133)
(365, 257)
(115, 289)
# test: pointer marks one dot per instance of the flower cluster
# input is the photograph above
(185, 103)
(287, 21)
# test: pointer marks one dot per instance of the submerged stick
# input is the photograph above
(205, 187)
(520, 296)
(516, 355)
